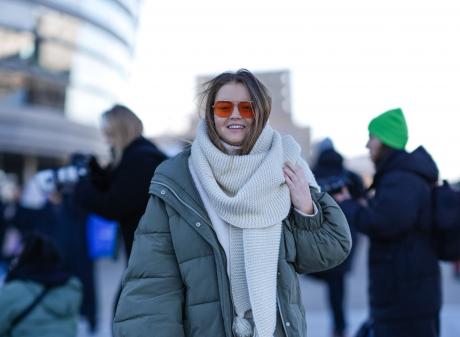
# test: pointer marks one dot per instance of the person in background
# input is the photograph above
(39, 298)
(71, 239)
(404, 275)
(228, 225)
(50, 210)
(120, 191)
(332, 177)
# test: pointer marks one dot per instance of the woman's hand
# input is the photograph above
(343, 195)
(298, 187)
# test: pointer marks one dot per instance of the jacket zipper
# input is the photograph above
(281, 316)
(206, 221)
(183, 202)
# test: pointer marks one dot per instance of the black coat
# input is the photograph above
(331, 175)
(123, 193)
(404, 276)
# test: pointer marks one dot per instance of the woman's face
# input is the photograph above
(374, 145)
(109, 133)
(112, 138)
(233, 129)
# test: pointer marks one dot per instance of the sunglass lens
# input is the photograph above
(223, 108)
(245, 109)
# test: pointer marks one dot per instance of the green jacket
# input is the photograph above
(57, 313)
(176, 283)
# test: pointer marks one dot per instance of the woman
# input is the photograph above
(228, 225)
(119, 192)
(39, 298)
(404, 276)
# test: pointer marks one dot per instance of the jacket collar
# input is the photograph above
(390, 162)
(174, 174)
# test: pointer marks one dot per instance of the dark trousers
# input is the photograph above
(418, 327)
(336, 293)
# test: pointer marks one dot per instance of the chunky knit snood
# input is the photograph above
(250, 194)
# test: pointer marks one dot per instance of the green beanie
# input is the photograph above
(390, 128)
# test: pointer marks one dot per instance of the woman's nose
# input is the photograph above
(235, 111)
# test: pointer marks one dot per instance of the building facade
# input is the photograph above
(62, 62)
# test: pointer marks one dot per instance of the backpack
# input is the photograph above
(446, 222)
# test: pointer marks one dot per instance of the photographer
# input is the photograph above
(119, 192)
(334, 178)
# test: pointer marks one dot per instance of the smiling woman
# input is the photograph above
(241, 207)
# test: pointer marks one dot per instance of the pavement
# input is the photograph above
(318, 319)
(109, 274)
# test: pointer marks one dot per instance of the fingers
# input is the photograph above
(288, 181)
(289, 173)
(294, 171)
(291, 166)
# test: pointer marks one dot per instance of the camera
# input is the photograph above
(54, 179)
(333, 184)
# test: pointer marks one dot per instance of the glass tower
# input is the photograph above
(62, 63)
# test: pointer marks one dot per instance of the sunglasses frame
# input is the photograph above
(237, 103)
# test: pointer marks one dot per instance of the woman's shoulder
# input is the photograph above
(174, 172)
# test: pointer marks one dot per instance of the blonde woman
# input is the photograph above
(119, 192)
(229, 223)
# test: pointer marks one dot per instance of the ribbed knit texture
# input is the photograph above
(390, 128)
(249, 193)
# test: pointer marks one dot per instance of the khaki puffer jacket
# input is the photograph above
(176, 283)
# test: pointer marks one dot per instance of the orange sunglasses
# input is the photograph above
(224, 109)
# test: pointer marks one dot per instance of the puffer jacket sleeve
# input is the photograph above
(394, 210)
(322, 241)
(152, 296)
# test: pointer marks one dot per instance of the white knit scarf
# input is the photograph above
(249, 193)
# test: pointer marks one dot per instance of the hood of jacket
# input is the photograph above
(418, 162)
(329, 163)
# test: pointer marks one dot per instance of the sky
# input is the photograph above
(348, 60)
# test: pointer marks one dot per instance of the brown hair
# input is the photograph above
(125, 125)
(259, 96)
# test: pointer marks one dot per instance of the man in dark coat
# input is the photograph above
(120, 192)
(404, 276)
(332, 176)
